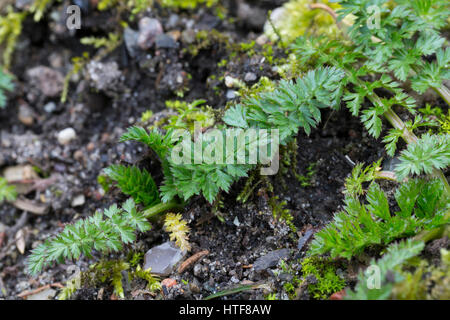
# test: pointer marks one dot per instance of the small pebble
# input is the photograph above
(230, 81)
(50, 107)
(26, 115)
(231, 94)
(149, 30)
(249, 77)
(78, 201)
(66, 135)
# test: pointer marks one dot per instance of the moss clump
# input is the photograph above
(307, 179)
(326, 281)
(264, 84)
(186, 4)
(188, 115)
(205, 39)
(295, 19)
(10, 30)
(426, 282)
(445, 124)
(111, 272)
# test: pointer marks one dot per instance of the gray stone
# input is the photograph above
(249, 77)
(286, 277)
(302, 241)
(48, 81)
(166, 42)
(173, 21)
(231, 94)
(23, 4)
(131, 41)
(149, 30)
(271, 259)
(104, 76)
(163, 258)
(188, 36)
(198, 270)
(253, 17)
(50, 107)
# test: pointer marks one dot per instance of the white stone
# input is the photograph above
(78, 201)
(66, 135)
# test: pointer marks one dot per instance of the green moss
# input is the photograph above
(249, 187)
(205, 39)
(264, 84)
(187, 4)
(248, 48)
(445, 123)
(153, 283)
(78, 63)
(290, 286)
(107, 272)
(306, 180)
(105, 182)
(7, 192)
(298, 19)
(222, 63)
(10, 30)
(133, 6)
(134, 258)
(426, 282)
(272, 296)
(39, 7)
(328, 282)
(111, 272)
(280, 211)
(145, 117)
(188, 115)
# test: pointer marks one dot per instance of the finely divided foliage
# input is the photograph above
(389, 265)
(292, 105)
(395, 49)
(105, 232)
(348, 58)
(135, 183)
(421, 157)
(362, 225)
(300, 101)
(5, 85)
(355, 72)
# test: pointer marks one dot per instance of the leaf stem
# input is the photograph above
(154, 212)
(387, 175)
(444, 92)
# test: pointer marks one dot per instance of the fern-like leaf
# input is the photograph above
(136, 183)
(104, 232)
(422, 206)
(423, 156)
(391, 262)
